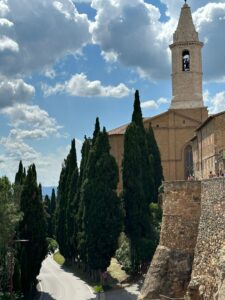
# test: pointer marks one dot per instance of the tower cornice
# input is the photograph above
(188, 43)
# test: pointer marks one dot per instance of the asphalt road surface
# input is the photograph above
(57, 284)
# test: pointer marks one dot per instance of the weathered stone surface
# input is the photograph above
(169, 274)
(170, 270)
(208, 270)
(173, 271)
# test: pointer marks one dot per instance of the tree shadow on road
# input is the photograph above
(118, 292)
(44, 296)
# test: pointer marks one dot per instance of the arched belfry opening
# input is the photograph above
(188, 162)
(186, 60)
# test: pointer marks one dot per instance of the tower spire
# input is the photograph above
(186, 63)
(186, 28)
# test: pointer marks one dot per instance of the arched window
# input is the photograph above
(188, 162)
(186, 60)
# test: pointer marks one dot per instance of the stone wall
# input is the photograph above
(208, 272)
(170, 270)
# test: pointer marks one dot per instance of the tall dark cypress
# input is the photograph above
(102, 214)
(138, 185)
(61, 211)
(53, 213)
(20, 175)
(80, 236)
(47, 206)
(66, 194)
(71, 209)
(53, 202)
(154, 153)
(33, 229)
(96, 131)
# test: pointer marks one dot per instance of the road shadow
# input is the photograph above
(44, 296)
(127, 291)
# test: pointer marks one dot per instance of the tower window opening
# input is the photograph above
(186, 60)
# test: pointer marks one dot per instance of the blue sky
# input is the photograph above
(64, 62)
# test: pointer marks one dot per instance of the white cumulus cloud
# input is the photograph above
(79, 85)
(4, 9)
(154, 104)
(7, 44)
(43, 32)
(149, 104)
(215, 103)
(130, 31)
(210, 22)
(14, 91)
(31, 118)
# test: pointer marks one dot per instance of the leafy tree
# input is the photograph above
(9, 218)
(102, 213)
(138, 186)
(33, 229)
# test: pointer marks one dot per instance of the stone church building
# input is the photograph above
(187, 116)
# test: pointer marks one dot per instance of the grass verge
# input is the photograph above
(59, 258)
(116, 272)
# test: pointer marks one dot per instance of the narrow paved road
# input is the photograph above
(57, 284)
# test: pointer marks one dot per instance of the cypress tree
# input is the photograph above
(86, 147)
(53, 202)
(102, 213)
(85, 151)
(53, 213)
(61, 211)
(66, 193)
(33, 229)
(138, 185)
(137, 114)
(20, 175)
(47, 206)
(156, 159)
(96, 131)
(19, 181)
(40, 192)
(71, 226)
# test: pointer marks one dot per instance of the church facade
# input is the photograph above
(175, 128)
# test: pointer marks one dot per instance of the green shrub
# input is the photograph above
(15, 296)
(123, 253)
(98, 289)
(52, 245)
(156, 213)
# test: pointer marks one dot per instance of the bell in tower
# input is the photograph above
(186, 64)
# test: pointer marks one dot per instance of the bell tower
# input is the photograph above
(186, 64)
